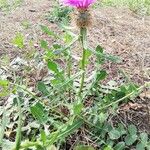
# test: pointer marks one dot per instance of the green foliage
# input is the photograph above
(59, 14)
(143, 142)
(19, 135)
(39, 113)
(19, 40)
(46, 30)
(77, 108)
(65, 130)
(114, 134)
(101, 75)
(139, 6)
(125, 138)
(120, 146)
(26, 24)
(83, 147)
(53, 67)
(4, 88)
(88, 54)
(7, 5)
(42, 88)
(43, 137)
(53, 112)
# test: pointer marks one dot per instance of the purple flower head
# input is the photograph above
(82, 4)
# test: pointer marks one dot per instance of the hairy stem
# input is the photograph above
(69, 65)
(83, 38)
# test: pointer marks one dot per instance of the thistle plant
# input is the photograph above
(56, 111)
(83, 21)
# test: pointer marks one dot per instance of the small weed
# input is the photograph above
(19, 40)
(54, 104)
(138, 6)
(7, 5)
(59, 14)
(26, 24)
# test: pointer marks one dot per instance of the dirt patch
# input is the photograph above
(119, 31)
(31, 12)
(127, 35)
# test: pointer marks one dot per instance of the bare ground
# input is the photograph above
(119, 31)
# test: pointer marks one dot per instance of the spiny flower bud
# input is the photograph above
(83, 18)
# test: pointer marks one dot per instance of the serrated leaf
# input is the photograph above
(130, 139)
(120, 146)
(114, 134)
(38, 112)
(140, 146)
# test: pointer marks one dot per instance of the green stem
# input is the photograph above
(83, 38)
(69, 70)
(18, 136)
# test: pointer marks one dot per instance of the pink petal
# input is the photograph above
(78, 3)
